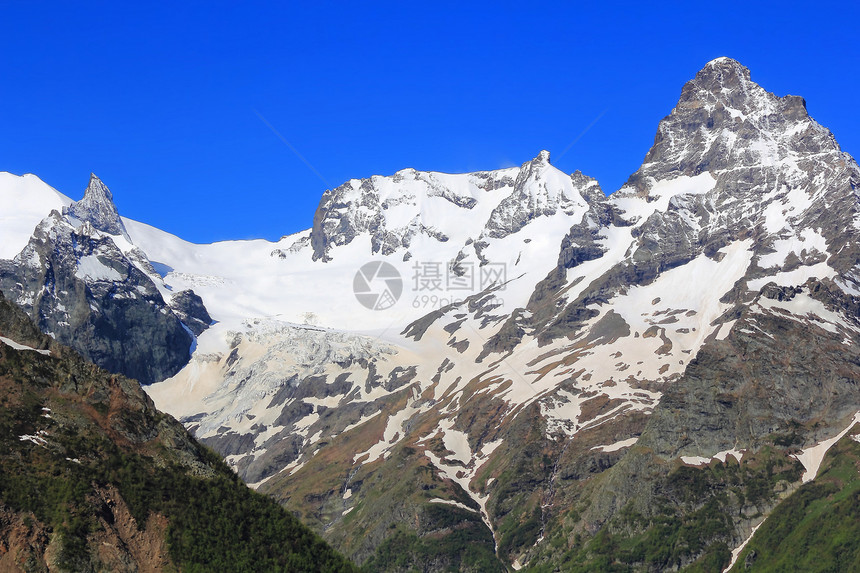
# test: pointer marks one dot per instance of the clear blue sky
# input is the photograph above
(162, 102)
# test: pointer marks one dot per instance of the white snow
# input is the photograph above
(90, 267)
(724, 329)
(16, 346)
(720, 60)
(35, 438)
(807, 241)
(661, 193)
(33, 200)
(696, 286)
(805, 308)
(328, 401)
(736, 552)
(617, 445)
(795, 277)
(454, 503)
(463, 476)
(361, 421)
(561, 412)
(455, 441)
(392, 434)
(783, 204)
(812, 457)
(681, 304)
(722, 456)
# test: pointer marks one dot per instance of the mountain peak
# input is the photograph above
(98, 209)
(725, 63)
(722, 81)
(97, 189)
(724, 120)
(723, 72)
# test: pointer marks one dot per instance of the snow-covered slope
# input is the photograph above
(26, 200)
(268, 298)
(418, 222)
(642, 281)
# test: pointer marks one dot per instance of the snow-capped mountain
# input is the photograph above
(83, 282)
(550, 370)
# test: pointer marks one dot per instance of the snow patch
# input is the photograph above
(90, 267)
(812, 457)
(11, 343)
(722, 456)
(454, 503)
(737, 551)
(617, 445)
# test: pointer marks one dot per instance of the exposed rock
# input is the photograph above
(80, 287)
(98, 209)
(189, 308)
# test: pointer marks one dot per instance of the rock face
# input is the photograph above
(85, 284)
(98, 209)
(189, 308)
(539, 192)
(731, 162)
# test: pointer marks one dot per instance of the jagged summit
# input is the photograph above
(726, 84)
(724, 66)
(98, 209)
(411, 206)
(725, 121)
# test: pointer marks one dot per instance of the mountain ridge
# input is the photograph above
(641, 333)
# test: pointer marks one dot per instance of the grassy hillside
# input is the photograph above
(817, 528)
(94, 478)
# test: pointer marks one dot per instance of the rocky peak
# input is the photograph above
(589, 185)
(98, 209)
(393, 210)
(540, 190)
(79, 286)
(533, 168)
(725, 84)
(725, 121)
(721, 76)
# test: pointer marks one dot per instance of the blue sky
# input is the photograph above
(172, 106)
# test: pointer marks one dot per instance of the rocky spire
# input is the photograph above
(723, 120)
(539, 190)
(98, 209)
